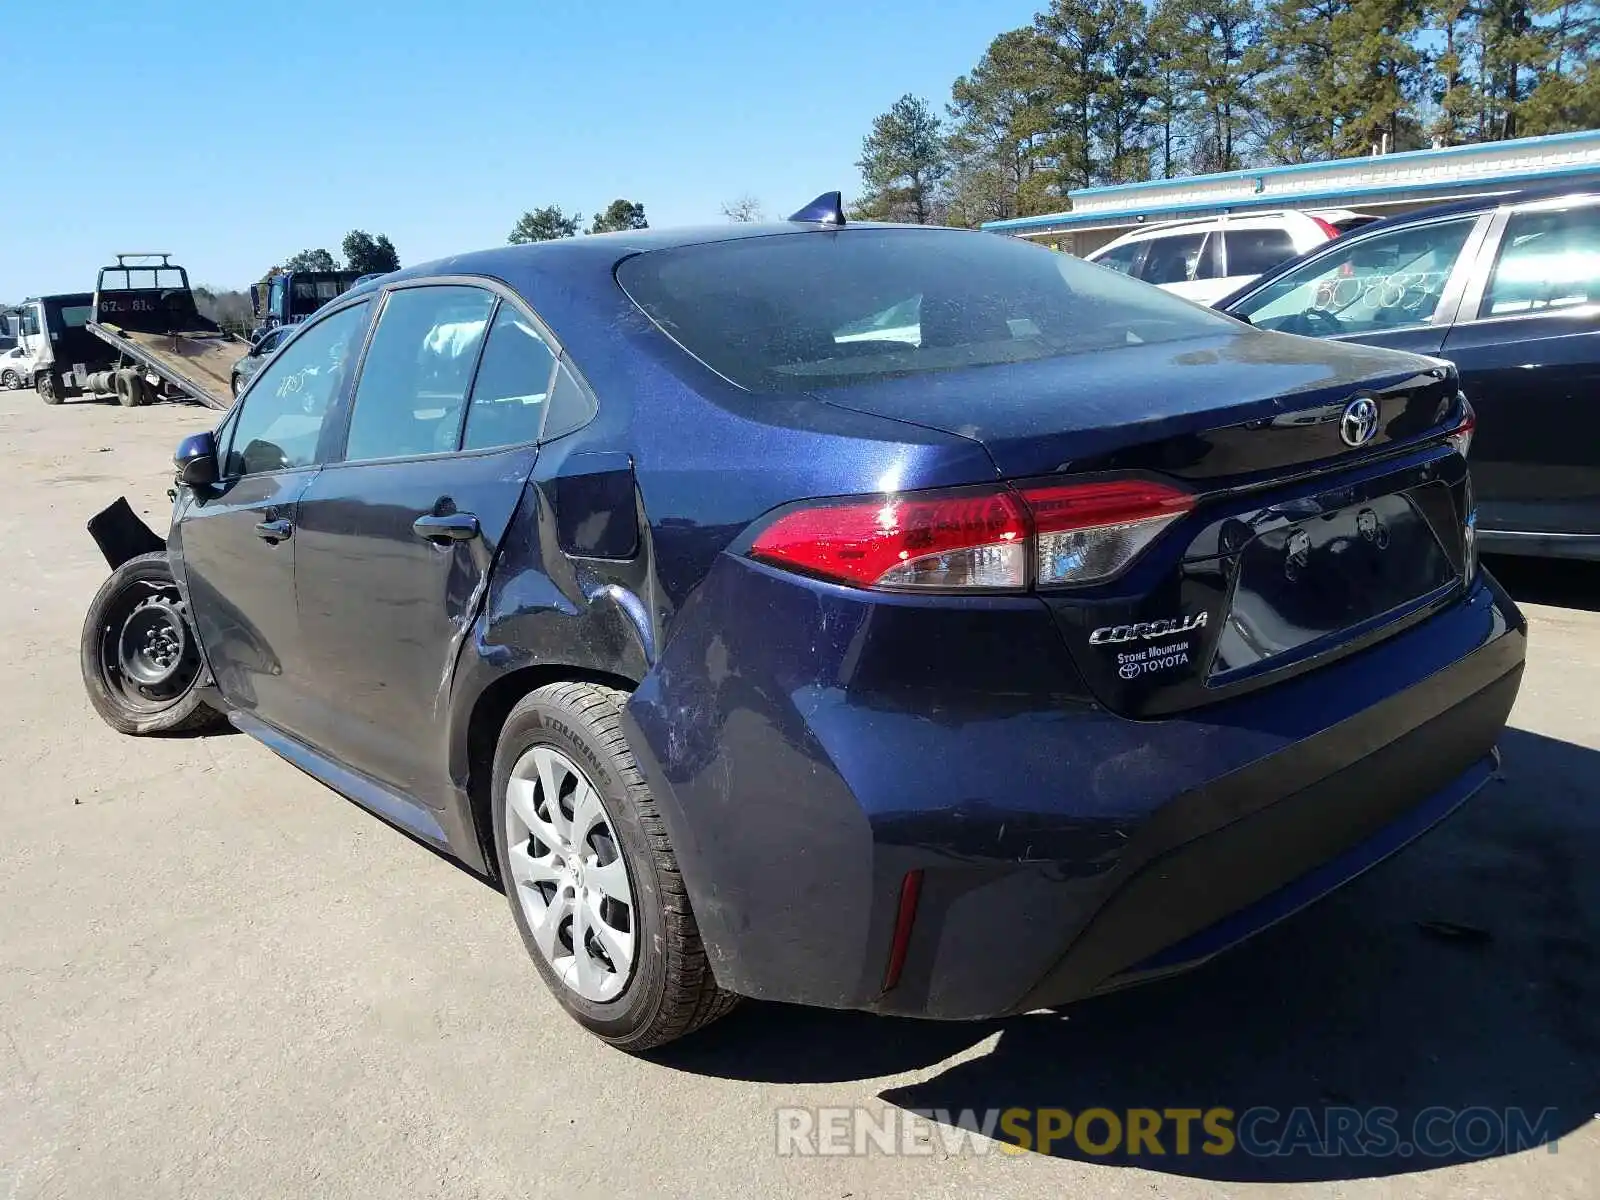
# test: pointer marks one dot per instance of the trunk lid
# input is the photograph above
(1302, 548)
(1201, 409)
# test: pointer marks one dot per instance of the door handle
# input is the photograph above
(274, 531)
(455, 527)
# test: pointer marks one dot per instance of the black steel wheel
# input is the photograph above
(141, 662)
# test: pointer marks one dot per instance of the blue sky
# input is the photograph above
(270, 128)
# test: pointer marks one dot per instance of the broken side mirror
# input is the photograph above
(196, 459)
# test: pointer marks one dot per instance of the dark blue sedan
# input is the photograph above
(1507, 288)
(902, 619)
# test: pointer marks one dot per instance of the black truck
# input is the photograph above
(162, 347)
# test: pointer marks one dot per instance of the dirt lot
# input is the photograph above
(219, 979)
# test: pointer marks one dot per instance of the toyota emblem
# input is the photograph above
(1360, 421)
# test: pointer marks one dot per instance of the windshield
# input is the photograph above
(797, 312)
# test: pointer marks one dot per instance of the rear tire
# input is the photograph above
(10, 380)
(668, 989)
(139, 655)
(46, 388)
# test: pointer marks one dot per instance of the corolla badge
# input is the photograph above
(1147, 631)
(1359, 422)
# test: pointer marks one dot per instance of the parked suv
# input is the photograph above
(1508, 289)
(1206, 259)
(1056, 637)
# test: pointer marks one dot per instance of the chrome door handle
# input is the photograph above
(274, 531)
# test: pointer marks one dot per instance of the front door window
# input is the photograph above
(1384, 281)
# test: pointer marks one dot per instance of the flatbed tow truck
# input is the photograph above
(145, 311)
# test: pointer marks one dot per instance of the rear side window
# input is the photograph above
(1122, 258)
(1548, 261)
(414, 381)
(512, 385)
(1256, 251)
(802, 311)
(1175, 259)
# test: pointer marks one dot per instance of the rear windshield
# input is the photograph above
(797, 312)
(141, 279)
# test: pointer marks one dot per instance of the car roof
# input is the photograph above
(571, 282)
(1475, 204)
(1179, 224)
(605, 250)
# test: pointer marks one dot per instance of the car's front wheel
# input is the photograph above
(591, 875)
(140, 660)
(10, 380)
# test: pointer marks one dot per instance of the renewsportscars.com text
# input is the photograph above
(1261, 1132)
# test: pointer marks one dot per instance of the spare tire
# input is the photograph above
(140, 658)
(130, 389)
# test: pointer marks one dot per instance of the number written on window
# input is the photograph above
(282, 414)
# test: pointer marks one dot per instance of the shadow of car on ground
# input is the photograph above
(1454, 983)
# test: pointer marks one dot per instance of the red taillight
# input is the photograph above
(1327, 227)
(1461, 436)
(995, 539)
(943, 541)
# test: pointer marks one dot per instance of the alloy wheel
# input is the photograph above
(570, 878)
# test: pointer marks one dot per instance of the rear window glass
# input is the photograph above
(797, 312)
(141, 279)
(1175, 259)
(1121, 258)
(1256, 251)
(75, 316)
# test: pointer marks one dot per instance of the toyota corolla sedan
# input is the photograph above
(1056, 639)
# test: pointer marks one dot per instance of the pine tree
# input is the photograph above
(1218, 56)
(904, 160)
(1000, 117)
(1081, 37)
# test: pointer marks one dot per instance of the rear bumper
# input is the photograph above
(810, 756)
(1584, 546)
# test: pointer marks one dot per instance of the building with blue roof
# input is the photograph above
(1379, 184)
